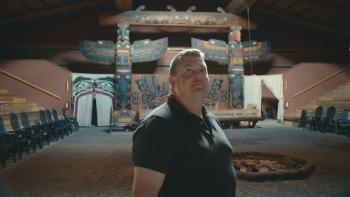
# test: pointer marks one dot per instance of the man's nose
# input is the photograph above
(197, 74)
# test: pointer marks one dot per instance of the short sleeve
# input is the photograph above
(154, 144)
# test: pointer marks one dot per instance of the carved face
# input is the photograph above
(237, 36)
(123, 33)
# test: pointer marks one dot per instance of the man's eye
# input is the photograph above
(189, 71)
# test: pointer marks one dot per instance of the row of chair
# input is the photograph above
(331, 122)
(30, 135)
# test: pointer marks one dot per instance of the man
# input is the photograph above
(179, 149)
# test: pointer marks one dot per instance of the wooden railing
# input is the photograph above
(30, 84)
(319, 82)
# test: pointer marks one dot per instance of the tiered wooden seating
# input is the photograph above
(28, 132)
(339, 98)
(12, 103)
(20, 119)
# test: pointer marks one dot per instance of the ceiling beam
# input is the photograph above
(49, 11)
(238, 6)
(330, 6)
(123, 5)
(338, 11)
(302, 21)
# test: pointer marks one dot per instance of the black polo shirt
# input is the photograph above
(193, 153)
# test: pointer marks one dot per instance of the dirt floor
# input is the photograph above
(93, 162)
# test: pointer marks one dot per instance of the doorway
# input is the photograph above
(269, 104)
(94, 113)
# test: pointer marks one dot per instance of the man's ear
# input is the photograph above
(172, 80)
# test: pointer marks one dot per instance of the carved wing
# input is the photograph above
(214, 50)
(98, 51)
(147, 50)
(254, 51)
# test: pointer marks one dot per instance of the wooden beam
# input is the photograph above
(50, 11)
(302, 21)
(123, 5)
(330, 6)
(30, 84)
(238, 6)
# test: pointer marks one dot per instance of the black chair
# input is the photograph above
(315, 123)
(44, 127)
(7, 144)
(72, 120)
(54, 128)
(303, 119)
(35, 135)
(328, 121)
(68, 122)
(342, 123)
(61, 123)
(22, 137)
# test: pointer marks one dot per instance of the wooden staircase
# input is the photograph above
(339, 98)
(12, 103)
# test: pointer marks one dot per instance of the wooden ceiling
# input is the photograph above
(329, 16)
(326, 20)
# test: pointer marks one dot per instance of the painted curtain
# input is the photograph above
(87, 86)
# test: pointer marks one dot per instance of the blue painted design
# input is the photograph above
(217, 93)
(101, 51)
(147, 50)
(153, 93)
(236, 89)
(123, 89)
(254, 51)
(214, 50)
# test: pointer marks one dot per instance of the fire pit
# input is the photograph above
(257, 166)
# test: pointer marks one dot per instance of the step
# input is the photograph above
(311, 106)
(325, 98)
(342, 88)
(341, 91)
(340, 94)
(297, 113)
(13, 99)
(8, 95)
(335, 103)
(338, 100)
(18, 107)
(4, 91)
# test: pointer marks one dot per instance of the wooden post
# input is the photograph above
(123, 69)
(235, 68)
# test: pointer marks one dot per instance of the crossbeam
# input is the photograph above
(50, 11)
(302, 21)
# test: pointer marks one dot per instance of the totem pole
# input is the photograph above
(123, 68)
(235, 67)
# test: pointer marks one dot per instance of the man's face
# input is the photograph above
(191, 78)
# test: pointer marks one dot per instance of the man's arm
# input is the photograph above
(147, 182)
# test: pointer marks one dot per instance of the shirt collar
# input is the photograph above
(177, 106)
